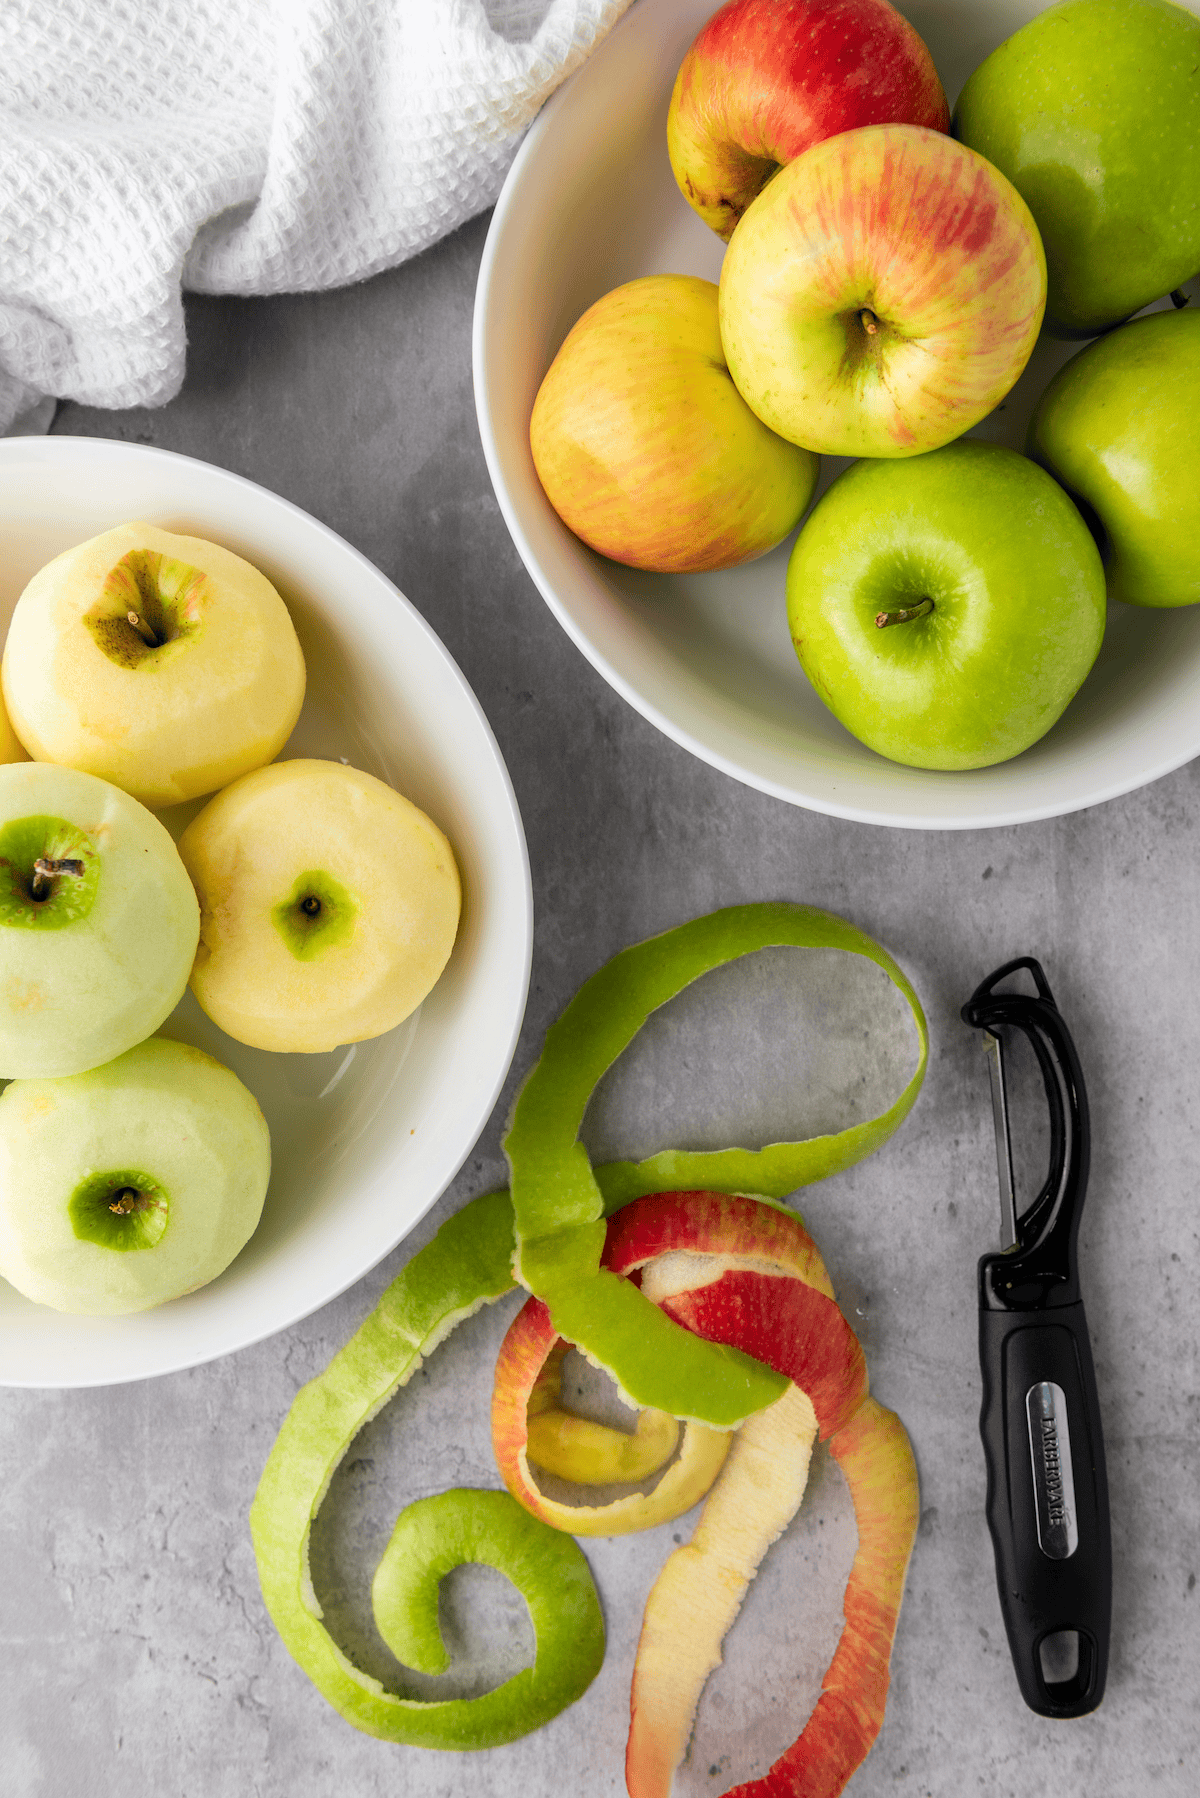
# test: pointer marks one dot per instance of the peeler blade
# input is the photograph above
(993, 1048)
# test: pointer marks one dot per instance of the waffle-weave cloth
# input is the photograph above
(240, 147)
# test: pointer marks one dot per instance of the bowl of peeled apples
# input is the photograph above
(265, 918)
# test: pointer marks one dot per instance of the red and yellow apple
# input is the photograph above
(646, 449)
(767, 79)
(882, 294)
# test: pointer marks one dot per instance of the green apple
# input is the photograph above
(946, 608)
(329, 906)
(882, 293)
(1118, 427)
(1092, 110)
(131, 1184)
(10, 749)
(164, 664)
(645, 447)
(98, 921)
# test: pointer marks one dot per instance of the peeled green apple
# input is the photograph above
(645, 447)
(10, 749)
(131, 1184)
(1092, 110)
(329, 906)
(98, 921)
(948, 607)
(1118, 427)
(164, 664)
(882, 293)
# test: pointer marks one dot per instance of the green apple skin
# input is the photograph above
(1018, 604)
(1119, 426)
(162, 1107)
(644, 446)
(1092, 110)
(83, 983)
(382, 884)
(218, 697)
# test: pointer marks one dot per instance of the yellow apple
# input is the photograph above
(328, 906)
(164, 664)
(644, 445)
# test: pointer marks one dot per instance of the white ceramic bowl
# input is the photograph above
(363, 1139)
(590, 203)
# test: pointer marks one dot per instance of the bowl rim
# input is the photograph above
(59, 450)
(1000, 815)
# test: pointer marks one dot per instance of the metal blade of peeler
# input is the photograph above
(993, 1048)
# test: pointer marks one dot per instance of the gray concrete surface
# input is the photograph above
(136, 1657)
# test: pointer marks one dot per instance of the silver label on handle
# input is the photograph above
(1053, 1479)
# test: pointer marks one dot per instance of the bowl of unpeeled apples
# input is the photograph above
(265, 918)
(838, 369)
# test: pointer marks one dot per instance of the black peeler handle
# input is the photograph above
(1047, 1498)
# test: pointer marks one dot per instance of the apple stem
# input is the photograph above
(922, 609)
(44, 872)
(869, 321)
(144, 631)
(310, 905)
(1178, 297)
(130, 1199)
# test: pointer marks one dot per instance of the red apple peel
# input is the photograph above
(876, 1457)
(778, 1317)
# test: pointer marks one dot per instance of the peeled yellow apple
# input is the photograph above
(328, 906)
(164, 664)
(10, 749)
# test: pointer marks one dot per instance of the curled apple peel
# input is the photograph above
(589, 1453)
(559, 1202)
(705, 1257)
(780, 1316)
(465, 1266)
(531, 1344)
(699, 1592)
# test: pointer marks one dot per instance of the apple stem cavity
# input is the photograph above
(129, 1199)
(905, 614)
(148, 635)
(45, 871)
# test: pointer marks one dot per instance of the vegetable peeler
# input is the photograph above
(1047, 1495)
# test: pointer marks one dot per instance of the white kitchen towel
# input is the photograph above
(240, 146)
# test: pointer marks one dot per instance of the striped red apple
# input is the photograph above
(767, 79)
(882, 294)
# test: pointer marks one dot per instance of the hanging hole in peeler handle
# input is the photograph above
(1059, 1654)
(1067, 1662)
